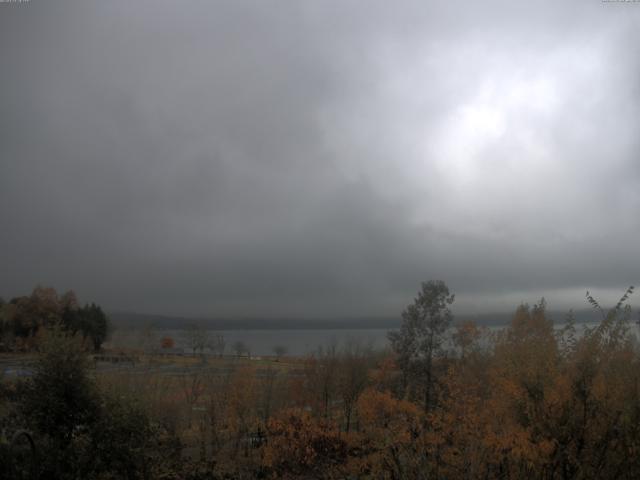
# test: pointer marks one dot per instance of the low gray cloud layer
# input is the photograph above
(319, 158)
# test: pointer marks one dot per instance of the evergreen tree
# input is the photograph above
(424, 323)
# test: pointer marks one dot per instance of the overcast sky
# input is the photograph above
(319, 158)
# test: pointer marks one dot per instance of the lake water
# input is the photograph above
(259, 342)
(262, 342)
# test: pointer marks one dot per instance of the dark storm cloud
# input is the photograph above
(318, 158)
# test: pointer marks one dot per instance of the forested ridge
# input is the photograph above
(447, 400)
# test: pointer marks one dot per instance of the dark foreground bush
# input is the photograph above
(81, 432)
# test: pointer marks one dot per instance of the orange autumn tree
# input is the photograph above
(563, 405)
(523, 379)
(464, 421)
(599, 431)
(302, 446)
(387, 445)
(454, 441)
